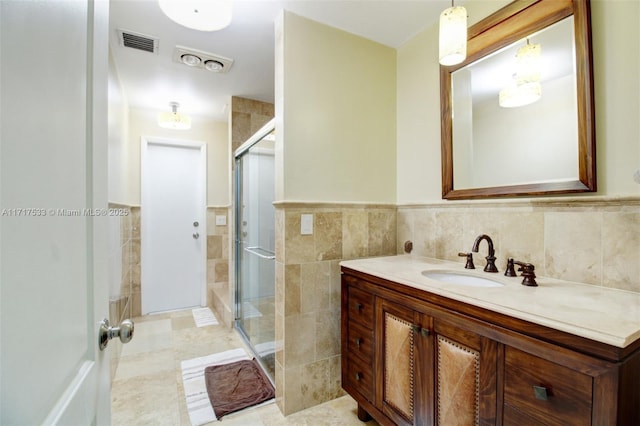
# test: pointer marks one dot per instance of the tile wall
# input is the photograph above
(308, 292)
(136, 300)
(218, 250)
(592, 240)
(247, 117)
(121, 268)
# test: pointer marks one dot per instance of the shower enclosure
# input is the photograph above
(255, 244)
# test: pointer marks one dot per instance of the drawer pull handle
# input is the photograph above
(358, 376)
(358, 341)
(540, 393)
(415, 329)
(359, 306)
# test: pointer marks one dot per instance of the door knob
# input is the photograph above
(124, 331)
(196, 235)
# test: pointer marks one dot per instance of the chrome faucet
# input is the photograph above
(491, 258)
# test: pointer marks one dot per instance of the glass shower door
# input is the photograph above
(255, 249)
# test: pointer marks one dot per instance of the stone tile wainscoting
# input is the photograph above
(218, 249)
(592, 240)
(217, 258)
(308, 292)
(121, 272)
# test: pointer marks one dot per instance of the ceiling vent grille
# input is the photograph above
(138, 41)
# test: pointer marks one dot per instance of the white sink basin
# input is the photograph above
(460, 278)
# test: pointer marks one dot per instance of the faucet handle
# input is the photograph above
(510, 271)
(529, 277)
(469, 257)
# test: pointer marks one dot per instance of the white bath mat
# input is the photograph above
(195, 388)
(204, 316)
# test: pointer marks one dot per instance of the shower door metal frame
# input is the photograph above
(240, 151)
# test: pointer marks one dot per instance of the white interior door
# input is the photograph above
(173, 227)
(53, 189)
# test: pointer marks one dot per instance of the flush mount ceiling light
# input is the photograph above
(201, 15)
(453, 35)
(174, 119)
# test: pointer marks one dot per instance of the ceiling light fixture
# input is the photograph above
(201, 15)
(190, 60)
(174, 119)
(453, 35)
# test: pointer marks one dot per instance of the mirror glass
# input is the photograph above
(493, 144)
(538, 142)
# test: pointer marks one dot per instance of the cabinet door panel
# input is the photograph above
(466, 374)
(458, 383)
(397, 361)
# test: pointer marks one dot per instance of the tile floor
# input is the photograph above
(147, 387)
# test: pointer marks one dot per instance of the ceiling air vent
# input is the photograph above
(138, 41)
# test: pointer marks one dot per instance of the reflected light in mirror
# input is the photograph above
(453, 36)
(517, 95)
(528, 63)
(525, 88)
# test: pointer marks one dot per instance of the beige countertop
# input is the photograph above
(598, 313)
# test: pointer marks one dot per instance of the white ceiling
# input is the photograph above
(151, 81)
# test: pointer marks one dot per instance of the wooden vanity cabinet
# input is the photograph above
(413, 358)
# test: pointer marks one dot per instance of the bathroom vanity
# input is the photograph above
(417, 350)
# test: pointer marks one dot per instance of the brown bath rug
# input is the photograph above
(232, 387)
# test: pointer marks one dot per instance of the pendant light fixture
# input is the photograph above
(174, 119)
(201, 15)
(453, 35)
(525, 88)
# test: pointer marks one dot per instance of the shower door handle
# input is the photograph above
(256, 250)
(196, 235)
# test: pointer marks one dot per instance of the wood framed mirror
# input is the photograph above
(543, 148)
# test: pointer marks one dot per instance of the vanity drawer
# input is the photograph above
(359, 375)
(360, 341)
(547, 392)
(361, 307)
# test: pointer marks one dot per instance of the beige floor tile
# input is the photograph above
(145, 363)
(182, 322)
(147, 388)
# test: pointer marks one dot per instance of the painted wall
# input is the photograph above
(336, 103)
(119, 155)
(615, 35)
(215, 133)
